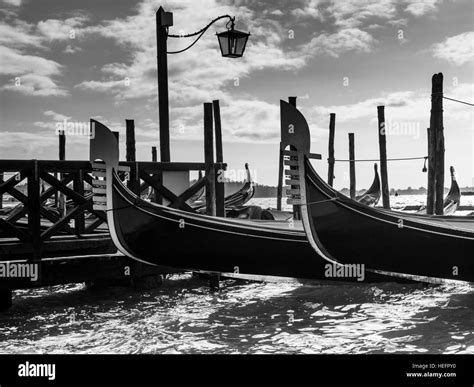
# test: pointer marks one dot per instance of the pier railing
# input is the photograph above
(53, 211)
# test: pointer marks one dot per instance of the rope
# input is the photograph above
(395, 159)
(457, 100)
(452, 99)
(319, 201)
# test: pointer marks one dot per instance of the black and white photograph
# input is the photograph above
(209, 178)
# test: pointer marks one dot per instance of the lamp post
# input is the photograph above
(231, 42)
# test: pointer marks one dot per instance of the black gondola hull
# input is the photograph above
(382, 240)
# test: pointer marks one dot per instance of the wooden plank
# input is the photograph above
(292, 182)
(292, 172)
(293, 191)
(7, 226)
(294, 201)
(293, 163)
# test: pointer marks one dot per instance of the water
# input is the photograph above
(242, 317)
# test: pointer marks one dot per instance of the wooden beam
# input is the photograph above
(383, 156)
(431, 185)
(209, 161)
(436, 123)
(163, 106)
(331, 160)
(220, 184)
(280, 177)
(352, 173)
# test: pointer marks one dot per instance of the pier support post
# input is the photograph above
(220, 187)
(5, 299)
(331, 160)
(352, 173)
(209, 161)
(214, 282)
(383, 156)
(153, 154)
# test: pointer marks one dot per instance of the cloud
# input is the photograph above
(15, 3)
(351, 39)
(420, 8)
(33, 74)
(55, 29)
(457, 49)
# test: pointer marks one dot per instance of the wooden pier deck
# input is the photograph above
(53, 225)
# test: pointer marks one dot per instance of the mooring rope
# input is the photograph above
(394, 159)
(457, 100)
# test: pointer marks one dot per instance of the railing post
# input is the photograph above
(79, 221)
(331, 160)
(352, 173)
(34, 207)
(209, 161)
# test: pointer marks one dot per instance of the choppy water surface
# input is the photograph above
(242, 317)
(185, 317)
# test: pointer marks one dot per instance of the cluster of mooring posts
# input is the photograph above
(434, 158)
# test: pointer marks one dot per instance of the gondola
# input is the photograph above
(237, 199)
(372, 195)
(452, 199)
(172, 238)
(346, 232)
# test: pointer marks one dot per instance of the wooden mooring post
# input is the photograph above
(58, 197)
(436, 169)
(209, 160)
(331, 160)
(383, 156)
(130, 155)
(296, 208)
(352, 173)
(280, 176)
(154, 157)
(220, 184)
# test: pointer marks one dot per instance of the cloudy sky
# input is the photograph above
(74, 60)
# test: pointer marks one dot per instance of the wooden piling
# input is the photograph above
(331, 160)
(431, 187)
(220, 186)
(352, 173)
(130, 140)
(437, 127)
(153, 154)
(209, 160)
(163, 105)
(296, 208)
(130, 155)
(383, 156)
(58, 196)
(280, 177)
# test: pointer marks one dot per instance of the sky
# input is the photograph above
(69, 61)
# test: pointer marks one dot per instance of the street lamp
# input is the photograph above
(231, 42)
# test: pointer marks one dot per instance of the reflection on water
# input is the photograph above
(185, 317)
